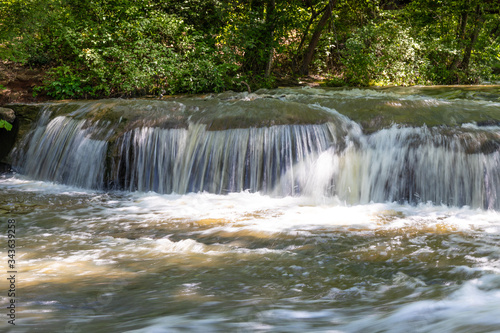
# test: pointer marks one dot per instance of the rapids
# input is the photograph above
(179, 147)
(341, 210)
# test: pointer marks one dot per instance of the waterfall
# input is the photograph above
(194, 159)
(454, 166)
(64, 150)
(422, 165)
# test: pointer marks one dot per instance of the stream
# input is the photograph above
(339, 210)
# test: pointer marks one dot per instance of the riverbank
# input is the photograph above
(17, 83)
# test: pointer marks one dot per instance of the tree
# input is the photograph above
(105, 48)
(459, 37)
(259, 51)
(327, 13)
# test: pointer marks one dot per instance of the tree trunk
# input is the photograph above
(270, 22)
(478, 23)
(304, 70)
(296, 58)
(462, 25)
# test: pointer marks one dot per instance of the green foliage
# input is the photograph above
(142, 55)
(383, 54)
(335, 82)
(411, 46)
(122, 48)
(63, 83)
(199, 75)
(5, 124)
(254, 81)
(104, 48)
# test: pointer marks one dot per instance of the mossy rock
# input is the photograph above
(27, 114)
(259, 112)
(240, 111)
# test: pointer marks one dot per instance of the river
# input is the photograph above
(384, 218)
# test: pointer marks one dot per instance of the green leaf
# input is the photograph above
(5, 124)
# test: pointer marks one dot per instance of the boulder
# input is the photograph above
(7, 114)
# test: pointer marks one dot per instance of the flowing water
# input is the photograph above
(352, 211)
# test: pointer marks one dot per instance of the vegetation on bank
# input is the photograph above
(5, 124)
(103, 48)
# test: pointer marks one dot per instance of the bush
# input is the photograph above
(385, 53)
(390, 50)
(61, 83)
(134, 55)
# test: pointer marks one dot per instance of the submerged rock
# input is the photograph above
(240, 111)
(490, 147)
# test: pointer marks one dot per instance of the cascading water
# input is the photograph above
(192, 160)
(421, 165)
(63, 150)
(288, 210)
(443, 165)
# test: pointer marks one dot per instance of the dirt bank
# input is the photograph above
(17, 83)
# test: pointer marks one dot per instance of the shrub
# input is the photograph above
(385, 53)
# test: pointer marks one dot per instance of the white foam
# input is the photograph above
(167, 246)
(266, 213)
